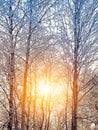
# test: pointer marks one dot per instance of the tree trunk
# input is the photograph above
(28, 115)
(48, 113)
(11, 74)
(35, 96)
(42, 119)
(75, 92)
(23, 123)
(74, 103)
(75, 65)
(23, 120)
(11, 98)
(66, 107)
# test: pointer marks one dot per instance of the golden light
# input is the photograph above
(44, 89)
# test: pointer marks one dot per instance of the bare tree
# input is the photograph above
(10, 30)
(80, 38)
(32, 14)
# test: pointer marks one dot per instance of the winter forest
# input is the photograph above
(48, 64)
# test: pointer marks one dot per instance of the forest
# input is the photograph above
(48, 64)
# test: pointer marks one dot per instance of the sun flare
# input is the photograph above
(44, 89)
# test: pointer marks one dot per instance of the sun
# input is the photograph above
(44, 89)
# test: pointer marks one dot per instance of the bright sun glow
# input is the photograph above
(44, 89)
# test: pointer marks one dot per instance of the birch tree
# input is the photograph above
(78, 31)
(36, 10)
(10, 27)
(83, 44)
